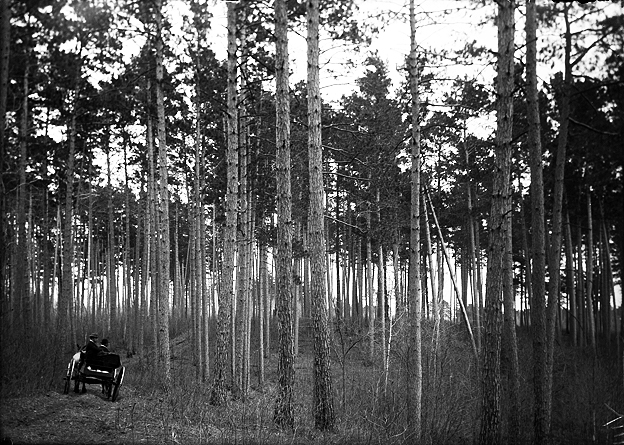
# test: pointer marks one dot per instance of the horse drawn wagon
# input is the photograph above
(103, 369)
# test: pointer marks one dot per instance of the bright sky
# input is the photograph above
(392, 42)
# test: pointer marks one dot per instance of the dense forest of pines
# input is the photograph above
(376, 267)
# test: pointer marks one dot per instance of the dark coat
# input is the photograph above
(91, 349)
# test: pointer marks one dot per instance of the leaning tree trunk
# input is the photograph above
(283, 415)
(498, 228)
(226, 294)
(323, 402)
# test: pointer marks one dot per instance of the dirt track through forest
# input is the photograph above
(56, 418)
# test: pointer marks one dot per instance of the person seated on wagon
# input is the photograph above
(104, 346)
(92, 348)
(89, 351)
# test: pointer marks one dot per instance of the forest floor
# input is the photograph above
(56, 418)
(142, 415)
(585, 392)
(90, 418)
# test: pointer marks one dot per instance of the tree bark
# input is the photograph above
(163, 208)
(283, 415)
(414, 301)
(570, 282)
(111, 272)
(5, 38)
(226, 294)
(498, 229)
(554, 259)
(323, 400)
(511, 342)
(538, 266)
(21, 286)
(589, 292)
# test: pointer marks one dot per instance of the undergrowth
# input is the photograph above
(371, 407)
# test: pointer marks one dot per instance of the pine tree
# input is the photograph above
(323, 401)
(283, 415)
(490, 432)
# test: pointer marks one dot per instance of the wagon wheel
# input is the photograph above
(117, 383)
(70, 372)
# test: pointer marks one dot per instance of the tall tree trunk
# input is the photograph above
(111, 263)
(199, 229)
(589, 292)
(21, 286)
(163, 208)
(570, 282)
(261, 303)
(66, 293)
(226, 294)
(538, 266)
(498, 228)
(283, 415)
(340, 299)
(323, 401)
(472, 248)
(580, 288)
(127, 269)
(369, 286)
(5, 38)
(242, 306)
(151, 235)
(511, 343)
(554, 258)
(414, 301)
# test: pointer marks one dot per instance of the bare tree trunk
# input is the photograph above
(369, 287)
(538, 283)
(127, 271)
(267, 304)
(5, 38)
(472, 250)
(590, 276)
(111, 263)
(580, 288)
(554, 259)
(498, 228)
(21, 286)
(323, 401)
(151, 238)
(226, 294)
(414, 301)
(511, 343)
(261, 310)
(66, 294)
(163, 208)
(283, 415)
(242, 306)
(199, 277)
(570, 282)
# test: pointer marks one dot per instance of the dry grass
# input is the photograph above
(369, 410)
